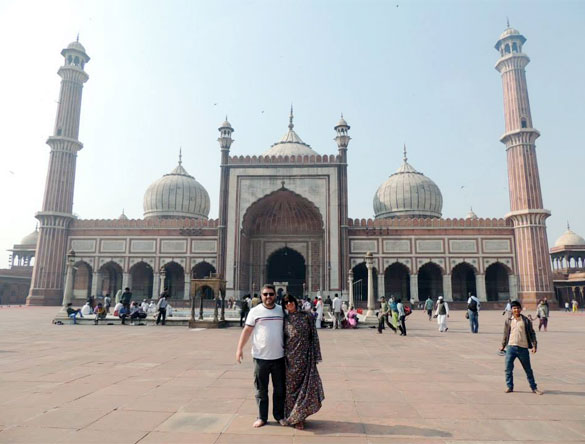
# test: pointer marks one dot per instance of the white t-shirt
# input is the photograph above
(336, 305)
(268, 336)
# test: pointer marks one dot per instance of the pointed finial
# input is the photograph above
(180, 155)
(123, 212)
(290, 118)
(282, 184)
(404, 155)
(342, 115)
(568, 226)
(507, 22)
(226, 118)
(77, 40)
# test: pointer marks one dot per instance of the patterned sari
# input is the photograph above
(304, 389)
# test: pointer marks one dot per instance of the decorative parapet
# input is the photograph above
(262, 160)
(403, 222)
(153, 222)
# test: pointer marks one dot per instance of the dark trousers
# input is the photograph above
(384, 318)
(162, 314)
(243, 316)
(542, 322)
(402, 325)
(513, 352)
(430, 313)
(263, 368)
(473, 320)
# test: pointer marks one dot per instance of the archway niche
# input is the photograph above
(397, 281)
(463, 281)
(82, 280)
(287, 265)
(360, 282)
(142, 278)
(202, 270)
(497, 284)
(430, 281)
(282, 217)
(111, 274)
(175, 280)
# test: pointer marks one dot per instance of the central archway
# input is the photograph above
(430, 281)
(278, 223)
(287, 265)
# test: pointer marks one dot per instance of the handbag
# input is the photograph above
(466, 315)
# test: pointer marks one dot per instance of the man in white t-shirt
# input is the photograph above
(265, 324)
(337, 310)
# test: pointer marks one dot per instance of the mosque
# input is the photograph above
(283, 218)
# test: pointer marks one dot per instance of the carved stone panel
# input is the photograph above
(113, 246)
(203, 246)
(83, 245)
(429, 246)
(363, 246)
(397, 246)
(173, 246)
(497, 246)
(142, 246)
(462, 246)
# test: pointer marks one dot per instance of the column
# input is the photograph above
(187, 293)
(68, 296)
(350, 288)
(155, 286)
(126, 281)
(480, 287)
(371, 301)
(414, 287)
(447, 291)
(96, 283)
(381, 289)
(513, 286)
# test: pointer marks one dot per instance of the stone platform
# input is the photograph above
(119, 384)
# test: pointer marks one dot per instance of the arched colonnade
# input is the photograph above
(497, 284)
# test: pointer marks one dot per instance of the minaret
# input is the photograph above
(342, 139)
(56, 215)
(526, 208)
(225, 142)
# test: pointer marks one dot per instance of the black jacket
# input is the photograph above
(530, 334)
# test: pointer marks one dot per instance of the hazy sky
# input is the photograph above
(163, 74)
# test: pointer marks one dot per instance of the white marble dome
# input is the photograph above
(77, 46)
(569, 237)
(290, 144)
(176, 195)
(408, 193)
(508, 32)
(30, 239)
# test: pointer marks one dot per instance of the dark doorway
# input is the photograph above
(142, 279)
(111, 279)
(175, 280)
(463, 282)
(287, 265)
(397, 281)
(430, 281)
(360, 274)
(202, 270)
(497, 285)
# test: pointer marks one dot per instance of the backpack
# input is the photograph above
(407, 310)
(472, 305)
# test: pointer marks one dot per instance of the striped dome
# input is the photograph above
(175, 195)
(408, 193)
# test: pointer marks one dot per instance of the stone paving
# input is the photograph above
(147, 384)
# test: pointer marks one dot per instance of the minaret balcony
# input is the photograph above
(521, 136)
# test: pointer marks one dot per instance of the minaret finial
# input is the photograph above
(404, 154)
(77, 40)
(181, 155)
(290, 118)
(568, 226)
(507, 22)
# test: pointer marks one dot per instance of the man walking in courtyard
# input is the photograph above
(265, 324)
(429, 307)
(473, 312)
(519, 336)
(336, 306)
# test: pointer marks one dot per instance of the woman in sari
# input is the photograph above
(304, 389)
(352, 317)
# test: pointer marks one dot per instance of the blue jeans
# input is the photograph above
(513, 352)
(473, 320)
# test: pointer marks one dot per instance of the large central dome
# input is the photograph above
(408, 193)
(175, 195)
(290, 144)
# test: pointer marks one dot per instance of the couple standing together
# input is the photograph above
(286, 347)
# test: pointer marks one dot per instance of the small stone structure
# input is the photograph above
(217, 285)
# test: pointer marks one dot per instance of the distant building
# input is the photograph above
(283, 217)
(15, 280)
(568, 259)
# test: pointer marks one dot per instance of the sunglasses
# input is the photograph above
(289, 302)
(267, 294)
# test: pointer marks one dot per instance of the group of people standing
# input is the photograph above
(285, 347)
(395, 309)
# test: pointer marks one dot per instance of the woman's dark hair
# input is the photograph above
(289, 298)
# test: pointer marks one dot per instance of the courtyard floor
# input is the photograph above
(147, 384)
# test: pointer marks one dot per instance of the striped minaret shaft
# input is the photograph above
(56, 215)
(526, 209)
